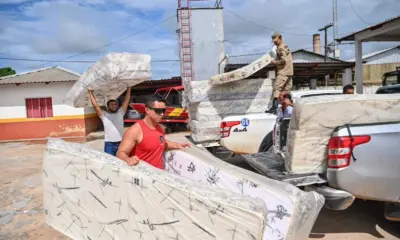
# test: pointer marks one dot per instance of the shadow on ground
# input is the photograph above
(361, 217)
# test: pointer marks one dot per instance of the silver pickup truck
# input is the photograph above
(368, 166)
(370, 170)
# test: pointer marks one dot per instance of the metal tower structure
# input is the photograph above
(186, 38)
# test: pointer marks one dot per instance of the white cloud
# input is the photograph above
(60, 28)
(12, 1)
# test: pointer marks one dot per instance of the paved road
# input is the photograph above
(22, 213)
(362, 221)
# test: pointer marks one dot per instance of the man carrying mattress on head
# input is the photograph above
(113, 121)
(284, 69)
(145, 141)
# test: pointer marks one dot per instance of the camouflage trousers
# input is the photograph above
(282, 83)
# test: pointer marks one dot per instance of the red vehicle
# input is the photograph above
(175, 118)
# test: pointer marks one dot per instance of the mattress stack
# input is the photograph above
(291, 212)
(109, 78)
(315, 118)
(208, 104)
(92, 195)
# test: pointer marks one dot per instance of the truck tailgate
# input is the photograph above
(272, 166)
(374, 167)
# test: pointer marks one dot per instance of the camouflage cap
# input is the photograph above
(276, 35)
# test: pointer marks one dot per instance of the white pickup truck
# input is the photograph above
(252, 133)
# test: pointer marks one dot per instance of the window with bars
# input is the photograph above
(39, 107)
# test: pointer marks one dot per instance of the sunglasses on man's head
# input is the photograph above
(157, 110)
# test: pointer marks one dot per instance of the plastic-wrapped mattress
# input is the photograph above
(315, 118)
(208, 104)
(217, 110)
(203, 91)
(110, 77)
(92, 195)
(245, 71)
(291, 212)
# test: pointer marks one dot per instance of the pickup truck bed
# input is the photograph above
(372, 171)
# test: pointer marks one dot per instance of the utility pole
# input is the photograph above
(335, 26)
(325, 29)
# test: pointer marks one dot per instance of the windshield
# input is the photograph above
(166, 93)
(390, 80)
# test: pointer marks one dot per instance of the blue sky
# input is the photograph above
(56, 29)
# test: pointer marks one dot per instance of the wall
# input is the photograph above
(372, 73)
(392, 56)
(67, 121)
(207, 37)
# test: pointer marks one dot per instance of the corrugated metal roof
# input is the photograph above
(374, 53)
(350, 37)
(43, 75)
(318, 57)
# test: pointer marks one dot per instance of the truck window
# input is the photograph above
(389, 90)
(319, 94)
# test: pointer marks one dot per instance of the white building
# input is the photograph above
(32, 106)
(377, 63)
(388, 55)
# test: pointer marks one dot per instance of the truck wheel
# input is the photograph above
(266, 143)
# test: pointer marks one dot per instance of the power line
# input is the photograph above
(110, 43)
(154, 61)
(262, 53)
(352, 7)
(265, 27)
(72, 61)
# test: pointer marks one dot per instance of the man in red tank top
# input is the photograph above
(145, 140)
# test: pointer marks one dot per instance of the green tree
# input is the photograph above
(6, 71)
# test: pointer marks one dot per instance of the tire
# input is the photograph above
(266, 143)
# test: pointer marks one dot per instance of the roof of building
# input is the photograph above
(43, 75)
(351, 37)
(365, 56)
(317, 55)
(173, 81)
(304, 70)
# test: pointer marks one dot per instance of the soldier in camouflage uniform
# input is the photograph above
(284, 69)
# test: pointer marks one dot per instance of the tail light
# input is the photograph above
(340, 150)
(226, 128)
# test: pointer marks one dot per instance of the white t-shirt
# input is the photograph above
(286, 114)
(113, 125)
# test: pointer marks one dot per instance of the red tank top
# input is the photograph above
(152, 146)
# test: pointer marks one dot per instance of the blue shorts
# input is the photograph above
(111, 147)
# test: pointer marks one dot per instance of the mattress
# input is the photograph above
(245, 71)
(201, 91)
(109, 78)
(206, 131)
(92, 195)
(208, 104)
(315, 118)
(291, 212)
(217, 110)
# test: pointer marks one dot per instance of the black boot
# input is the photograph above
(274, 107)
